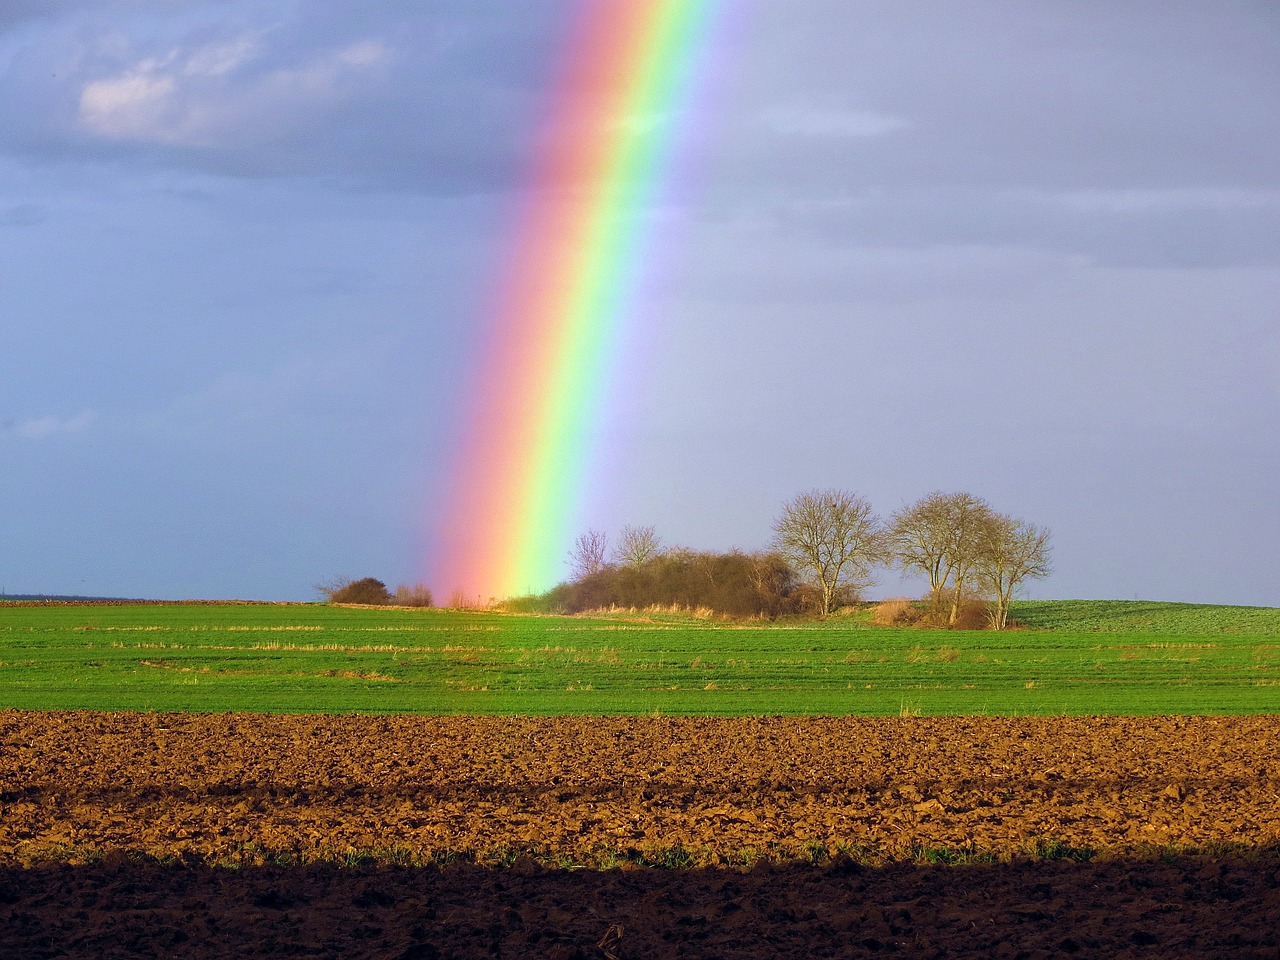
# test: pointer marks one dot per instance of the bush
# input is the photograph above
(536, 603)
(367, 591)
(732, 584)
(974, 614)
(898, 612)
(418, 595)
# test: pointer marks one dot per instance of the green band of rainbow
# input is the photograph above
(519, 475)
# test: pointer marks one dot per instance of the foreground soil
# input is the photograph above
(118, 909)
(230, 835)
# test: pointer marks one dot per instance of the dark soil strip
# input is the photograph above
(125, 908)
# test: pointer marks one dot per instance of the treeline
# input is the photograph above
(827, 548)
(735, 584)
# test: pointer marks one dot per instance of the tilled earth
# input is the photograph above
(130, 835)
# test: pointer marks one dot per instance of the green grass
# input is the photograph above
(1082, 657)
(1144, 616)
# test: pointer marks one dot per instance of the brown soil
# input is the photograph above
(130, 835)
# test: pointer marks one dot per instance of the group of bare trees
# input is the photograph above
(636, 546)
(827, 546)
(961, 545)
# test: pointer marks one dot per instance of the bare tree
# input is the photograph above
(942, 535)
(588, 554)
(833, 535)
(636, 546)
(1013, 551)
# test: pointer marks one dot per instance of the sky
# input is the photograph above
(1027, 250)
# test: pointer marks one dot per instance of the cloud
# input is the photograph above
(1149, 227)
(445, 100)
(15, 13)
(304, 396)
(52, 425)
(812, 121)
(135, 105)
(211, 95)
(1166, 200)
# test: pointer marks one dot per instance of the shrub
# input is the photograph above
(974, 614)
(418, 595)
(732, 584)
(539, 603)
(898, 612)
(366, 591)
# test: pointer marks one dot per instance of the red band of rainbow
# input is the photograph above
(523, 457)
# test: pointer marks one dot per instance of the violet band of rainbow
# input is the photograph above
(550, 346)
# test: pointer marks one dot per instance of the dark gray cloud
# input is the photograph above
(836, 98)
(1178, 228)
(419, 97)
(1137, 134)
(1037, 95)
(20, 13)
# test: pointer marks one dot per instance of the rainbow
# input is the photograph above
(546, 356)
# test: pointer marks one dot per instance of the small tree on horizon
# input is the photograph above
(588, 554)
(1013, 552)
(834, 536)
(637, 546)
(942, 535)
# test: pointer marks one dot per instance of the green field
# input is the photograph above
(1076, 657)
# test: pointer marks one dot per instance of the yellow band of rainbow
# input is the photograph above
(520, 469)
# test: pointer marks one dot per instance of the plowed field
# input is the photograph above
(236, 835)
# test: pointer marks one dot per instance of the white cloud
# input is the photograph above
(42, 427)
(211, 96)
(136, 105)
(366, 53)
(323, 77)
(219, 59)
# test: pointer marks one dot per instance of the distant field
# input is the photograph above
(1144, 616)
(1077, 657)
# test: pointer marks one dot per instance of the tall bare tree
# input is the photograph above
(636, 546)
(588, 554)
(942, 535)
(832, 535)
(1013, 552)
